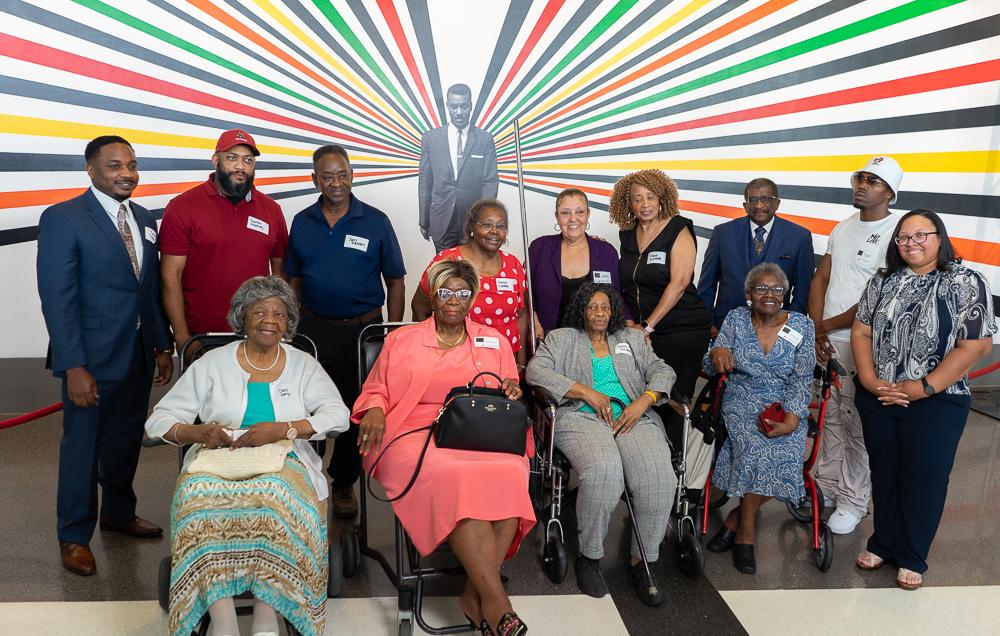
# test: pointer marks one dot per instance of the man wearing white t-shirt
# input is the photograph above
(856, 249)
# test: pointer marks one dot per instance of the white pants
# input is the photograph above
(842, 471)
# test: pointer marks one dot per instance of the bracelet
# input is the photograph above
(651, 394)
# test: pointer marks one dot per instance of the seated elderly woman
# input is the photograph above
(266, 534)
(477, 501)
(769, 355)
(584, 365)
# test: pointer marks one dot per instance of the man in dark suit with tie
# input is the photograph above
(458, 166)
(98, 279)
(739, 245)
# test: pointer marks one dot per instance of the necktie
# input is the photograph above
(758, 241)
(126, 233)
(458, 154)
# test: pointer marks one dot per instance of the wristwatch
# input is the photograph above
(928, 387)
(646, 327)
(292, 432)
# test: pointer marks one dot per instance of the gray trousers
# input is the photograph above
(842, 471)
(640, 458)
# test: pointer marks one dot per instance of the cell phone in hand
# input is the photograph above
(775, 412)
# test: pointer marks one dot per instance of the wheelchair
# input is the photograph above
(407, 572)
(550, 471)
(195, 347)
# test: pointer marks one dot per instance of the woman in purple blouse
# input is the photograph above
(561, 263)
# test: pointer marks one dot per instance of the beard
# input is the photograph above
(225, 181)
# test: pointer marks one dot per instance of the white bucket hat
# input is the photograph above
(886, 169)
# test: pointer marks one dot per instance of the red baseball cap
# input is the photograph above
(236, 137)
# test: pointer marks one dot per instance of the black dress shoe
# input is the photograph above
(645, 586)
(589, 578)
(722, 541)
(744, 559)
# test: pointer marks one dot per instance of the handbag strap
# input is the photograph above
(472, 382)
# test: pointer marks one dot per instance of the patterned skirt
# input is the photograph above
(266, 536)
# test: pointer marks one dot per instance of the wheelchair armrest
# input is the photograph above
(543, 397)
(332, 434)
(150, 442)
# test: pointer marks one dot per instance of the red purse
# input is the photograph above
(775, 412)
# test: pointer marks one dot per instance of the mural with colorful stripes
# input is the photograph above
(714, 92)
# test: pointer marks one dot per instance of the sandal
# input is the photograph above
(908, 585)
(484, 627)
(868, 561)
(511, 625)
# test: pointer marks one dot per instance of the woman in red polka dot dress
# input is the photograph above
(500, 303)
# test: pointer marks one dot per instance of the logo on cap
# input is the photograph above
(241, 137)
(876, 161)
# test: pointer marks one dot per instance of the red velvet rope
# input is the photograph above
(993, 367)
(34, 415)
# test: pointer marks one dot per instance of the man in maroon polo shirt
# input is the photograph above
(215, 236)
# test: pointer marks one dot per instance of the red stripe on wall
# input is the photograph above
(396, 28)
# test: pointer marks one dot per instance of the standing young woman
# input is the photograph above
(658, 252)
(922, 322)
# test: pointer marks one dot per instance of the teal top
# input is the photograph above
(606, 382)
(259, 407)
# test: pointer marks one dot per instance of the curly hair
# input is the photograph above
(576, 312)
(475, 210)
(656, 181)
(255, 290)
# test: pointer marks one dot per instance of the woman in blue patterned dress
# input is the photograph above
(922, 323)
(769, 355)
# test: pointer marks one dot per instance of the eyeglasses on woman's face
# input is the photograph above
(445, 294)
(490, 227)
(774, 290)
(917, 237)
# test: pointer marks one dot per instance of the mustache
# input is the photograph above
(225, 179)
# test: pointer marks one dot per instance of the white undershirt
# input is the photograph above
(767, 229)
(453, 144)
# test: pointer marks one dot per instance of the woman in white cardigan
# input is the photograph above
(265, 535)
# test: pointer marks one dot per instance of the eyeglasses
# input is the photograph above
(463, 295)
(767, 199)
(763, 290)
(858, 178)
(489, 227)
(917, 237)
(248, 160)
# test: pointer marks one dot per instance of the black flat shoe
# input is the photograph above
(645, 587)
(589, 578)
(722, 541)
(743, 558)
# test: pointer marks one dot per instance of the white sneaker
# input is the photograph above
(843, 522)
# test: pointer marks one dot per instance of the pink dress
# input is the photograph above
(500, 297)
(410, 381)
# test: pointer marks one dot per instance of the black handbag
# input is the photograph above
(472, 418)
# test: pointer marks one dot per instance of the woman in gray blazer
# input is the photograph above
(584, 365)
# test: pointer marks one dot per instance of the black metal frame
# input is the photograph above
(406, 573)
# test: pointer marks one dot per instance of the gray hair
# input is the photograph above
(764, 269)
(257, 289)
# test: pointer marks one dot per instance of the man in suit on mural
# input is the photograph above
(98, 279)
(739, 245)
(458, 166)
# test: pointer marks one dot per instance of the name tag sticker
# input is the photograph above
(255, 224)
(602, 277)
(789, 334)
(622, 347)
(356, 243)
(505, 284)
(284, 393)
(150, 235)
(486, 342)
(656, 258)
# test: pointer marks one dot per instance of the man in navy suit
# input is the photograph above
(739, 245)
(98, 279)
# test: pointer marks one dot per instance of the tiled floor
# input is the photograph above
(787, 595)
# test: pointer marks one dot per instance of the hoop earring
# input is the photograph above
(588, 226)
(556, 227)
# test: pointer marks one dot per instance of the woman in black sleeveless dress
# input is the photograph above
(658, 251)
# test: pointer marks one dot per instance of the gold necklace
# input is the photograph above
(451, 345)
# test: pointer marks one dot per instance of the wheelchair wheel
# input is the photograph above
(690, 556)
(824, 556)
(163, 584)
(554, 559)
(803, 511)
(351, 546)
(335, 580)
(406, 627)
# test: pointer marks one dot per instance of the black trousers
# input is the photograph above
(911, 452)
(100, 445)
(683, 351)
(338, 354)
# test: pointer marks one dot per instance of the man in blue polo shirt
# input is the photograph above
(340, 250)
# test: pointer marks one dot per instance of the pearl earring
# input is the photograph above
(749, 303)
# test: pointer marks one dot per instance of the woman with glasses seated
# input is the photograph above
(477, 501)
(769, 355)
(500, 302)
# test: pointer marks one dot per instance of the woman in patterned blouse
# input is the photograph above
(922, 322)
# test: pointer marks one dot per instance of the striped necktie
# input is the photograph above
(126, 233)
